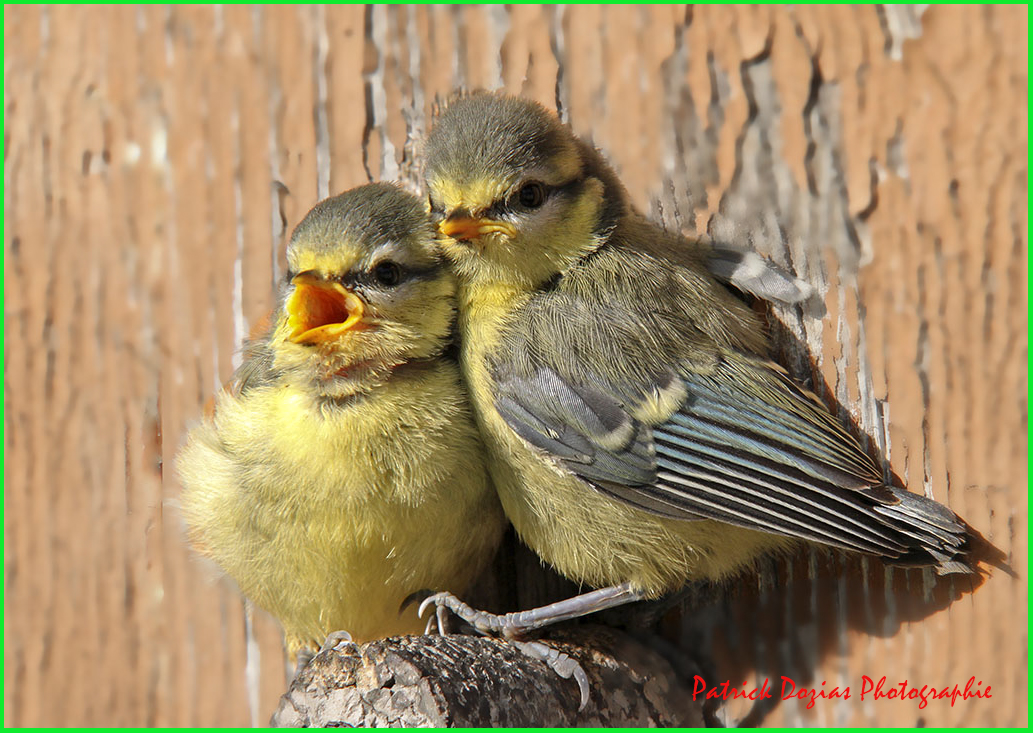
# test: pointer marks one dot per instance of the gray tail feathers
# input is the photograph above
(935, 534)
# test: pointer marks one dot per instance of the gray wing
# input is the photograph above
(745, 446)
(588, 431)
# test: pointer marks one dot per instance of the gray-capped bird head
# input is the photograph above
(367, 289)
(518, 196)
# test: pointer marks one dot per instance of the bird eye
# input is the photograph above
(531, 195)
(387, 274)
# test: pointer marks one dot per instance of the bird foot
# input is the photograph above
(307, 653)
(508, 627)
(515, 626)
(489, 624)
(439, 622)
(560, 663)
(518, 625)
(335, 639)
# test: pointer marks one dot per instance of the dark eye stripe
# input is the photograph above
(499, 208)
(419, 273)
(406, 274)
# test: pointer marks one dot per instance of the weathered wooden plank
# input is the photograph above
(156, 159)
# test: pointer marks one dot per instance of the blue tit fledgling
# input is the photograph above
(639, 437)
(343, 470)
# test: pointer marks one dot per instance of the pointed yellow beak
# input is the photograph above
(320, 310)
(465, 228)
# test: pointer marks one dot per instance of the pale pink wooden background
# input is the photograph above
(155, 159)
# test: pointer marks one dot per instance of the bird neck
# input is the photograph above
(372, 379)
(484, 306)
(484, 298)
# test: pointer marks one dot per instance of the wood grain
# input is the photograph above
(156, 159)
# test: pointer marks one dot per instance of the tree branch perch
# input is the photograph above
(460, 680)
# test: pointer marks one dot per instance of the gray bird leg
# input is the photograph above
(516, 625)
(513, 626)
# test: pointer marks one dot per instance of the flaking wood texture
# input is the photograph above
(156, 159)
(465, 681)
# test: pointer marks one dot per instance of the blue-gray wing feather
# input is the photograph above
(747, 446)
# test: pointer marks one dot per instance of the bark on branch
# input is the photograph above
(460, 680)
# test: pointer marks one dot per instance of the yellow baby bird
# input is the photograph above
(343, 471)
(639, 437)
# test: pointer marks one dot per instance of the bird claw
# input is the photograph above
(518, 625)
(488, 624)
(336, 638)
(505, 626)
(562, 664)
(438, 622)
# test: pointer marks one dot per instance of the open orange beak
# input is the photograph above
(320, 310)
(465, 228)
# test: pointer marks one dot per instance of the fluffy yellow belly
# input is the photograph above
(594, 539)
(329, 520)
